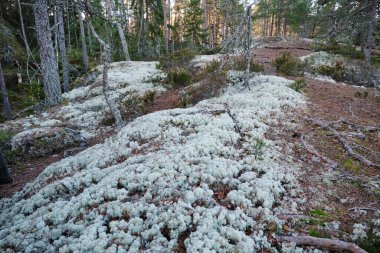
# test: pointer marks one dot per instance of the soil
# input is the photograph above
(342, 194)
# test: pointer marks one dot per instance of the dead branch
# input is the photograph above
(344, 142)
(364, 128)
(293, 216)
(329, 244)
(287, 48)
(364, 208)
(309, 148)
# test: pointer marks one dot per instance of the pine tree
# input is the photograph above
(193, 23)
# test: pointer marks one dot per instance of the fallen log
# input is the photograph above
(330, 244)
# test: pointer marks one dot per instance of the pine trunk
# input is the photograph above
(49, 67)
(62, 47)
(166, 33)
(7, 105)
(369, 40)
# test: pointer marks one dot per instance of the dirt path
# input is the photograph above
(337, 193)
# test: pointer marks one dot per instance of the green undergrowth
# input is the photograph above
(288, 64)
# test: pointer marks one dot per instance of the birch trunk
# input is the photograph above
(106, 63)
(62, 47)
(7, 105)
(84, 46)
(49, 67)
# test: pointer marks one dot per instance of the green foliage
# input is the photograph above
(5, 145)
(179, 59)
(287, 64)
(318, 213)
(179, 77)
(240, 64)
(299, 85)
(258, 147)
(11, 50)
(336, 71)
(315, 233)
(148, 97)
(351, 164)
(193, 22)
(342, 49)
(213, 66)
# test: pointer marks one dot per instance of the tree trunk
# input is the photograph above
(166, 34)
(49, 67)
(123, 41)
(204, 15)
(89, 38)
(84, 46)
(106, 63)
(7, 105)
(369, 41)
(248, 52)
(24, 38)
(5, 178)
(62, 47)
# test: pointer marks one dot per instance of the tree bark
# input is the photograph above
(124, 42)
(321, 243)
(83, 36)
(7, 105)
(62, 47)
(5, 178)
(369, 41)
(106, 62)
(166, 34)
(24, 38)
(49, 67)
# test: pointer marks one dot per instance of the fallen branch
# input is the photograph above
(329, 244)
(313, 151)
(293, 216)
(344, 142)
(364, 208)
(280, 47)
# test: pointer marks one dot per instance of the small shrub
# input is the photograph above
(337, 71)
(178, 59)
(179, 77)
(211, 51)
(287, 64)
(299, 85)
(359, 94)
(241, 65)
(213, 66)
(148, 97)
(258, 147)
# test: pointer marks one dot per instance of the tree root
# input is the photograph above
(309, 148)
(344, 142)
(321, 243)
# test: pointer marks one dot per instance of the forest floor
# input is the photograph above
(348, 194)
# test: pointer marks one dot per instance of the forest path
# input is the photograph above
(339, 193)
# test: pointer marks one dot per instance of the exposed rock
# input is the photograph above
(44, 141)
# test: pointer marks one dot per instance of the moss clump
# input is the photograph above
(352, 165)
(179, 59)
(179, 77)
(288, 64)
(299, 85)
